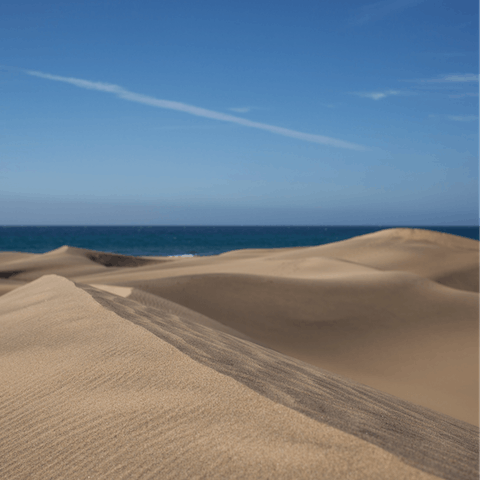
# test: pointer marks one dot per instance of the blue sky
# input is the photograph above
(239, 113)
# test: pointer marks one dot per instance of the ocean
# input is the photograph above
(188, 241)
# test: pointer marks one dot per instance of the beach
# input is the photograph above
(356, 359)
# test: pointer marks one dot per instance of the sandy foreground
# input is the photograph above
(352, 360)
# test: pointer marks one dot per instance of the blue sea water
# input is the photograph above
(189, 240)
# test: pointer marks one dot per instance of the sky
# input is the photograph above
(239, 112)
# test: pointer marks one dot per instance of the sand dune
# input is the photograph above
(87, 392)
(394, 331)
(447, 259)
(357, 359)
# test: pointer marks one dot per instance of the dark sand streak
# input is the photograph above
(432, 442)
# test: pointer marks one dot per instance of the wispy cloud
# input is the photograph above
(379, 95)
(453, 85)
(456, 118)
(451, 78)
(463, 118)
(124, 94)
(463, 95)
(376, 11)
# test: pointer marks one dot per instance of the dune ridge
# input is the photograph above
(88, 394)
(417, 435)
(90, 391)
(370, 308)
(371, 328)
(367, 348)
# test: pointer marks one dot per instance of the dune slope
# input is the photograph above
(396, 310)
(96, 385)
(395, 331)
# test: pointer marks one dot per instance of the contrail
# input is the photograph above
(192, 110)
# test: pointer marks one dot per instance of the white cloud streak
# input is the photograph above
(378, 95)
(456, 118)
(463, 118)
(192, 110)
(452, 78)
(463, 95)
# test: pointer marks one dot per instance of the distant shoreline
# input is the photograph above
(187, 240)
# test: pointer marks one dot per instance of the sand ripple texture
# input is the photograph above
(355, 360)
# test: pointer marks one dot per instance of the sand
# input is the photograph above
(357, 360)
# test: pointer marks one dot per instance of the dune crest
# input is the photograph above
(357, 359)
(123, 402)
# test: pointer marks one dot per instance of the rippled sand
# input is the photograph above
(357, 359)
